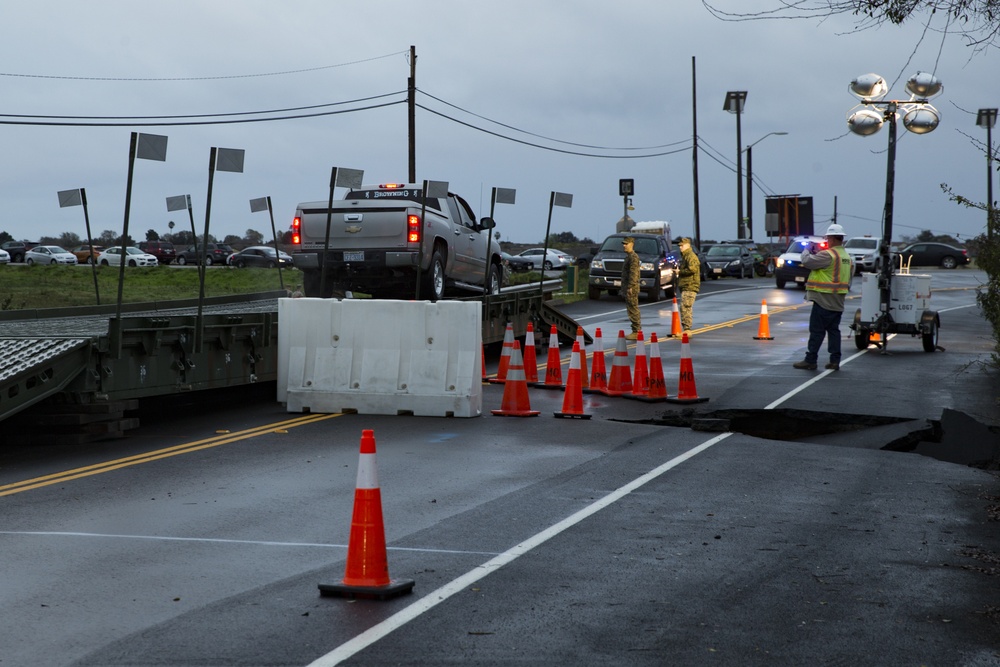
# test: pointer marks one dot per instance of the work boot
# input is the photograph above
(832, 366)
(635, 336)
(804, 365)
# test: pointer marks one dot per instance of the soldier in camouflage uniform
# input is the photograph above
(630, 286)
(688, 282)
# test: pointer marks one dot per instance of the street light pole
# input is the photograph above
(988, 118)
(749, 150)
(735, 99)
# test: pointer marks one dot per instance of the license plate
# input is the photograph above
(800, 279)
(716, 270)
(616, 283)
(358, 256)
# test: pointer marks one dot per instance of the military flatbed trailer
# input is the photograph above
(82, 370)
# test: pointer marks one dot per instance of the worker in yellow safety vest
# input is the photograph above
(830, 273)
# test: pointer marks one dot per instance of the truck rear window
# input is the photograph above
(411, 194)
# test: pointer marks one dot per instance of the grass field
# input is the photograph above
(23, 286)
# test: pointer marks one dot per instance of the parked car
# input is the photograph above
(261, 256)
(135, 257)
(554, 259)
(163, 251)
(216, 253)
(16, 249)
(84, 255)
(730, 259)
(49, 254)
(517, 263)
(932, 254)
(788, 267)
(4, 257)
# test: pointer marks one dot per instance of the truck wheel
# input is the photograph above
(593, 293)
(433, 287)
(653, 294)
(493, 279)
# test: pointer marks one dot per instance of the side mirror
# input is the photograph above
(487, 223)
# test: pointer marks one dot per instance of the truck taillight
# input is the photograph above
(413, 229)
(296, 230)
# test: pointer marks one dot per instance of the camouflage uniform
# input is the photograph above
(630, 287)
(689, 283)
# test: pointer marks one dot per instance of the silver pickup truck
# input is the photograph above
(379, 243)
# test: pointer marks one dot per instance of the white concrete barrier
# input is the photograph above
(382, 357)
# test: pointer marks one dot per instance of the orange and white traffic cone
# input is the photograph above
(657, 385)
(763, 330)
(675, 320)
(620, 381)
(508, 343)
(553, 366)
(598, 373)
(515, 402)
(640, 375)
(530, 358)
(367, 571)
(573, 398)
(584, 380)
(687, 392)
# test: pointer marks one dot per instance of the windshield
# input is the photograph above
(723, 251)
(864, 244)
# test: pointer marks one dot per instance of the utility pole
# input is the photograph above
(694, 154)
(411, 102)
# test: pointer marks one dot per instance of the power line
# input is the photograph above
(198, 78)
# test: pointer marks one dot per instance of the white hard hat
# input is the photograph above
(835, 230)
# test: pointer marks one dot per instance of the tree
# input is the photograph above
(253, 237)
(152, 235)
(977, 20)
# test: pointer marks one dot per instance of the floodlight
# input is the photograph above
(869, 87)
(865, 121)
(924, 85)
(920, 118)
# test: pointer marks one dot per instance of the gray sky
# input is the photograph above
(587, 72)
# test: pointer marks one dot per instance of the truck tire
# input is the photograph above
(593, 293)
(432, 288)
(493, 280)
(653, 295)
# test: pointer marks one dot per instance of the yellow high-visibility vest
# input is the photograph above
(835, 278)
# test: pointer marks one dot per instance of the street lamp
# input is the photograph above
(867, 118)
(750, 180)
(735, 99)
(988, 118)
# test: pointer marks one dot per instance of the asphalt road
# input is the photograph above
(631, 538)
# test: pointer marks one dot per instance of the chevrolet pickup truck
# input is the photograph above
(383, 236)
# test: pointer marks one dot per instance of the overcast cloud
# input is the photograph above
(587, 72)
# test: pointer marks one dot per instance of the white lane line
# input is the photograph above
(263, 543)
(436, 597)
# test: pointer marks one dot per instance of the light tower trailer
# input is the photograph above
(895, 303)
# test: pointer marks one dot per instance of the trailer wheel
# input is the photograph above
(862, 336)
(930, 327)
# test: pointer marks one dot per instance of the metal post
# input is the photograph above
(750, 191)
(90, 243)
(989, 181)
(885, 272)
(274, 234)
(739, 174)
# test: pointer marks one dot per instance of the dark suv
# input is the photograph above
(17, 249)
(216, 253)
(163, 251)
(657, 268)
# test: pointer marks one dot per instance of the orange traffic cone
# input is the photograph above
(367, 572)
(515, 401)
(657, 385)
(620, 381)
(508, 343)
(553, 368)
(584, 380)
(686, 390)
(598, 374)
(640, 376)
(530, 358)
(763, 330)
(573, 398)
(675, 320)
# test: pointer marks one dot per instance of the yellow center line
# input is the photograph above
(116, 464)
